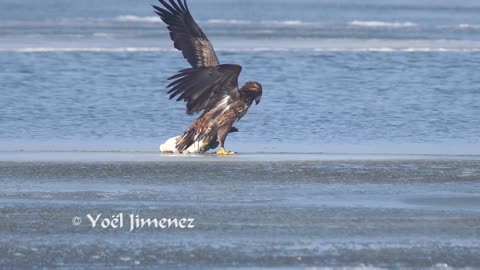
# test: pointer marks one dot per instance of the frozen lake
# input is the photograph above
(251, 211)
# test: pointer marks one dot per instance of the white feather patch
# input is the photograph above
(223, 103)
(170, 146)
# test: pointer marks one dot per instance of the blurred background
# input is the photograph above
(366, 76)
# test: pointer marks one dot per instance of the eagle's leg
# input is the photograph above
(222, 135)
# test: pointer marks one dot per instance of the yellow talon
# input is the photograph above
(224, 152)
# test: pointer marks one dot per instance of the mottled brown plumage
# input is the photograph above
(208, 87)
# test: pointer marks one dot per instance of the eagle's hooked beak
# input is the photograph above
(257, 99)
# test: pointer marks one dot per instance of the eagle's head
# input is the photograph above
(252, 91)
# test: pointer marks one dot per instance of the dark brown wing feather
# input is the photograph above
(205, 87)
(186, 34)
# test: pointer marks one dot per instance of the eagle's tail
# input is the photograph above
(187, 139)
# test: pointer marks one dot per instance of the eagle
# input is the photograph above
(208, 87)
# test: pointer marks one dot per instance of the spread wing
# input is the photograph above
(203, 88)
(186, 34)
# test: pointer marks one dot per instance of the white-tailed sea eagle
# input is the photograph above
(208, 87)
